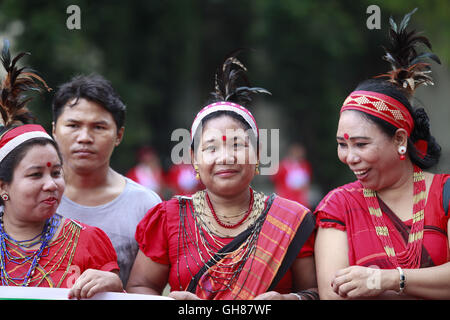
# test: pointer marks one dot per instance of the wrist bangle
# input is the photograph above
(402, 282)
(306, 295)
(299, 297)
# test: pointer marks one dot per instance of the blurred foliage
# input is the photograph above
(161, 56)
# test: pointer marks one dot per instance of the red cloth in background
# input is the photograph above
(292, 180)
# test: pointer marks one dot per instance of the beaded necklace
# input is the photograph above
(68, 240)
(199, 236)
(202, 211)
(24, 243)
(410, 258)
(65, 244)
(229, 225)
(46, 235)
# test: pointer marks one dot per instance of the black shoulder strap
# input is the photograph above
(446, 196)
(301, 236)
(233, 245)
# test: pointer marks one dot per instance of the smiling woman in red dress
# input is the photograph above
(387, 232)
(227, 241)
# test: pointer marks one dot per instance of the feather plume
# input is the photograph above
(17, 82)
(231, 82)
(409, 69)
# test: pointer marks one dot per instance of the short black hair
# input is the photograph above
(93, 88)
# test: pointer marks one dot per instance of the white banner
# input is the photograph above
(37, 293)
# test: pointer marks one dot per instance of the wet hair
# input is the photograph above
(421, 130)
(93, 88)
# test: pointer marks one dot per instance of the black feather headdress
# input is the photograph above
(17, 82)
(409, 69)
(232, 84)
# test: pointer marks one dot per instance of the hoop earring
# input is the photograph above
(5, 196)
(402, 151)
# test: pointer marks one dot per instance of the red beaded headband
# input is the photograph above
(381, 106)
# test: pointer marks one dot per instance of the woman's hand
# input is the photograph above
(359, 282)
(183, 295)
(94, 281)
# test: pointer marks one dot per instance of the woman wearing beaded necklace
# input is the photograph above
(38, 247)
(227, 241)
(387, 233)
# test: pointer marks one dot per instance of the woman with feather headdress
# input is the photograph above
(39, 247)
(387, 233)
(227, 241)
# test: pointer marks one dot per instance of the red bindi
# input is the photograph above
(224, 138)
(346, 136)
(49, 164)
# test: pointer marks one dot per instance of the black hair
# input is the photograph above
(93, 88)
(421, 130)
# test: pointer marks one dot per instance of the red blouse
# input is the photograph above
(158, 238)
(345, 208)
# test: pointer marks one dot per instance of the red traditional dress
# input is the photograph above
(168, 233)
(345, 208)
(76, 248)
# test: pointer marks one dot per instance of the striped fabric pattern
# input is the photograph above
(410, 258)
(278, 230)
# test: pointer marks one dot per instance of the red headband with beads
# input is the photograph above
(381, 106)
(386, 108)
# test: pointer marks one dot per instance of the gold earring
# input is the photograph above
(257, 168)
(197, 175)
